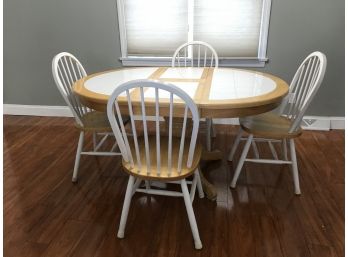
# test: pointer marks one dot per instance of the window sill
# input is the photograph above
(167, 61)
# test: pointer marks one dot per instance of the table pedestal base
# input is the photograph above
(214, 155)
(208, 188)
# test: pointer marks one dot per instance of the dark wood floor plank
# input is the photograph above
(291, 232)
(268, 237)
(322, 251)
(47, 215)
(317, 177)
(68, 237)
(242, 236)
(21, 229)
(112, 246)
(90, 241)
(27, 249)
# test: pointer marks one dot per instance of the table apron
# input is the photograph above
(204, 112)
(237, 112)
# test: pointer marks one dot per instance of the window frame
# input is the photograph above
(258, 61)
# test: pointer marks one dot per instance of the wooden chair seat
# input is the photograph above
(268, 125)
(95, 121)
(175, 174)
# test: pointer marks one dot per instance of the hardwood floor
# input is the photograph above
(46, 215)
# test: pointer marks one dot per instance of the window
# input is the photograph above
(151, 30)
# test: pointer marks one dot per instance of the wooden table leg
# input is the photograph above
(208, 188)
(213, 155)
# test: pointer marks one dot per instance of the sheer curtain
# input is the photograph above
(155, 27)
(232, 27)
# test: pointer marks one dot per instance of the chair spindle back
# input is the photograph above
(303, 88)
(66, 70)
(115, 119)
(196, 52)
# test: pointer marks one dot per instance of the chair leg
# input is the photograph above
(235, 144)
(208, 134)
(213, 130)
(136, 185)
(78, 156)
(94, 140)
(147, 185)
(193, 187)
(273, 151)
(199, 184)
(125, 209)
(241, 161)
(285, 150)
(294, 167)
(256, 151)
(191, 215)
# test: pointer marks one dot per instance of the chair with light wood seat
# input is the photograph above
(284, 124)
(197, 54)
(66, 70)
(149, 158)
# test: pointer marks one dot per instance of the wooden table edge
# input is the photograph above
(208, 108)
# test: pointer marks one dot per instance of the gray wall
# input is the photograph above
(299, 27)
(34, 31)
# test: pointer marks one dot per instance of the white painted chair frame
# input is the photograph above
(187, 59)
(115, 118)
(204, 51)
(303, 88)
(66, 70)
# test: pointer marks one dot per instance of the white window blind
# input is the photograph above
(232, 27)
(155, 27)
(151, 30)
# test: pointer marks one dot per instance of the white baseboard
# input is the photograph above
(309, 122)
(230, 121)
(337, 122)
(37, 110)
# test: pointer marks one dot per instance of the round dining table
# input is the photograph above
(217, 92)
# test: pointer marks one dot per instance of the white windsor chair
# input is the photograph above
(66, 70)
(285, 124)
(198, 54)
(157, 157)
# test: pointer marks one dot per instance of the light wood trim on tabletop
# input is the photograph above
(158, 73)
(236, 112)
(98, 101)
(206, 85)
(207, 108)
(135, 94)
(89, 97)
(179, 106)
(274, 96)
(201, 86)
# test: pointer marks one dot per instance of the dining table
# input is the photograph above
(217, 92)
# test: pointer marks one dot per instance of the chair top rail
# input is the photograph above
(202, 50)
(303, 88)
(66, 70)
